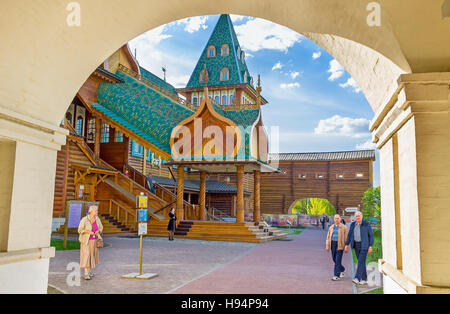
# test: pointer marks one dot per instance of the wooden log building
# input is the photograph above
(125, 123)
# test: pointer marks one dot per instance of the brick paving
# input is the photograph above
(300, 265)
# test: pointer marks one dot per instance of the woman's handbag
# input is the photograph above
(99, 243)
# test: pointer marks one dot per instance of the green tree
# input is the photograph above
(372, 203)
(313, 206)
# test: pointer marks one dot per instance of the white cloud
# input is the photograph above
(290, 85)
(178, 81)
(351, 83)
(316, 55)
(193, 24)
(366, 145)
(256, 34)
(336, 70)
(343, 126)
(294, 75)
(277, 66)
(237, 18)
(152, 56)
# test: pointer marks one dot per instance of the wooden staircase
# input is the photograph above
(110, 225)
(217, 231)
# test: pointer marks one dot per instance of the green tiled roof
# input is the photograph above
(141, 109)
(223, 33)
(155, 79)
(152, 115)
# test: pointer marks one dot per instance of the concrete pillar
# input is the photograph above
(28, 150)
(202, 195)
(180, 193)
(240, 194)
(257, 196)
(413, 135)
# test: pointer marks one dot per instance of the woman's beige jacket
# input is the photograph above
(342, 236)
(85, 224)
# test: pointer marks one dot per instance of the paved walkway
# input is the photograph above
(187, 266)
(298, 266)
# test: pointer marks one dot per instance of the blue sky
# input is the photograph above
(313, 101)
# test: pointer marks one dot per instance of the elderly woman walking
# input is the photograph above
(90, 229)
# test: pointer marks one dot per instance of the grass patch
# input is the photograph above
(375, 291)
(295, 232)
(71, 245)
(287, 227)
(58, 244)
(377, 252)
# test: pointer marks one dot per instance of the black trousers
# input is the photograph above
(361, 254)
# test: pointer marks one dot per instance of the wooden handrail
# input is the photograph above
(140, 174)
(119, 209)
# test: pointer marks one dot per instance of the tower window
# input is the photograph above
(224, 51)
(91, 131)
(79, 125)
(211, 51)
(224, 74)
(105, 133)
(119, 137)
(224, 99)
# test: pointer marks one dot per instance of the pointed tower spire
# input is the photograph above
(221, 54)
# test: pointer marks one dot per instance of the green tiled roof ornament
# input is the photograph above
(258, 91)
(204, 76)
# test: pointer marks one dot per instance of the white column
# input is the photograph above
(28, 149)
(413, 135)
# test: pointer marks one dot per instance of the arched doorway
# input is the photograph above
(312, 206)
(375, 56)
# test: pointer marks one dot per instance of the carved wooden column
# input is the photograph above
(202, 195)
(240, 194)
(144, 162)
(257, 196)
(98, 137)
(180, 193)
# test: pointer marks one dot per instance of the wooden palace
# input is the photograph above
(204, 145)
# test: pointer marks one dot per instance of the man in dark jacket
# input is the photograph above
(360, 237)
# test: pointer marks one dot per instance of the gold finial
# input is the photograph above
(258, 91)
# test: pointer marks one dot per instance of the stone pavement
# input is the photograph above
(298, 266)
(188, 266)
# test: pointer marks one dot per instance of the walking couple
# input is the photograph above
(359, 237)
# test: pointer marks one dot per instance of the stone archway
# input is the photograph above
(43, 62)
